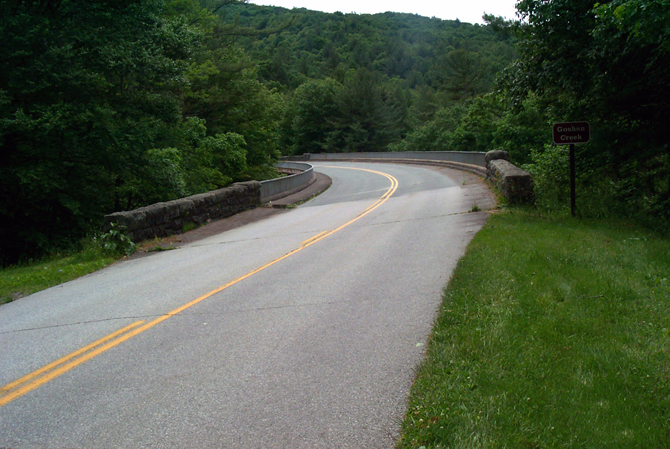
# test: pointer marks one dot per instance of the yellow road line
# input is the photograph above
(309, 240)
(15, 389)
(43, 375)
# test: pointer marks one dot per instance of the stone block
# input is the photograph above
(515, 184)
(495, 155)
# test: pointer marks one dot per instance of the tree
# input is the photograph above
(311, 112)
(224, 90)
(86, 91)
(436, 134)
(608, 64)
(463, 74)
(368, 117)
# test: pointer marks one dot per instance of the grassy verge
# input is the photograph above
(553, 333)
(22, 280)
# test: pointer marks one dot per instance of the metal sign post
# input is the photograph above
(571, 133)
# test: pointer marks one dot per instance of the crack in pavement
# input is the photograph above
(234, 311)
(431, 217)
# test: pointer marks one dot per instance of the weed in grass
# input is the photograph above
(309, 199)
(553, 333)
(116, 241)
(161, 248)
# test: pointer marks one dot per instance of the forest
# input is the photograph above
(112, 105)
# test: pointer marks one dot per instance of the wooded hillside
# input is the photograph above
(108, 105)
(111, 105)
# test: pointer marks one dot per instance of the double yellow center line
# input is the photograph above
(43, 375)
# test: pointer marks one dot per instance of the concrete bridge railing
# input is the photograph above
(462, 157)
(515, 184)
(300, 176)
(473, 162)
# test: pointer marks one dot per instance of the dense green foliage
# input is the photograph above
(363, 82)
(85, 92)
(442, 54)
(108, 105)
(606, 63)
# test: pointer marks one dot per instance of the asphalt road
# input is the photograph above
(317, 349)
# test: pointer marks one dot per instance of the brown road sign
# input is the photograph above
(571, 132)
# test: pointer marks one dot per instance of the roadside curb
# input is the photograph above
(319, 184)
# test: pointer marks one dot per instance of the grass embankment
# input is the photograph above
(553, 332)
(22, 280)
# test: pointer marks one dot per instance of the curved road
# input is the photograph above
(300, 330)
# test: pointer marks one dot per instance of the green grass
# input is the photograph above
(553, 332)
(22, 280)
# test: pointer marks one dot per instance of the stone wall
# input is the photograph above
(515, 184)
(163, 219)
